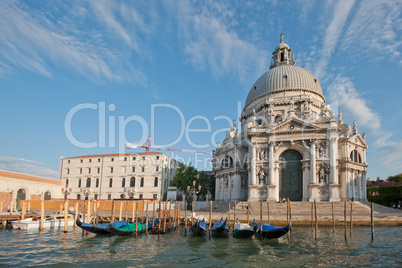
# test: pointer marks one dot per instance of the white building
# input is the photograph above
(112, 176)
(17, 186)
(290, 143)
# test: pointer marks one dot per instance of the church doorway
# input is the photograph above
(290, 176)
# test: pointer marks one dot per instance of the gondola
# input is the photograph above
(243, 230)
(125, 228)
(199, 228)
(220, 228)
(96, 229)
(163, 229)
(269, 231)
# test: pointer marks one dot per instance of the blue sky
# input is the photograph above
(139, 68)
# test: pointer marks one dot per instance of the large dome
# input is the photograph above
(284, 77)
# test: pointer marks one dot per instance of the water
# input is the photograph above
(55, 249)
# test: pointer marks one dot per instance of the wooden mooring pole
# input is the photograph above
(42, 214)
(65, 216)
(316, 219)
(351, 220)
(126, 211)
(185, 218)
(248, 212)
(159, 220)
(76, 214)
(133, 213)
(260, 218)
(269, 221)
(210, 218)
(372, 221)
(333, 219)
(146, 221)
(136, 220)
(112, 219)
(153, 213)
(234, 219)
(344, 218)
(312, 214)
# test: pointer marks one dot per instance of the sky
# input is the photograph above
(84, 77)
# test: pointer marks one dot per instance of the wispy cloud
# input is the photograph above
(210, 44)
(25, 166)
(30, 40)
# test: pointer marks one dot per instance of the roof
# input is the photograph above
(100, 155)
(375, 184)
(284, 77)
(21, 176)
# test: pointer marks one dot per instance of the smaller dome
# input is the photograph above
(282, 46)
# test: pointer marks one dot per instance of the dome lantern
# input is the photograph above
(282, 54)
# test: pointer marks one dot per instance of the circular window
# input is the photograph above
(291, 127)
(278, 119)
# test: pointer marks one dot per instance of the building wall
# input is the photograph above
(35, 187)
(118, 168)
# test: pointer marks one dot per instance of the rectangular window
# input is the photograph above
(155, 196)
(68, 161)
(80, 170)
(143, 169)
(143, 158)
(157, 168)
(157, 157)
(141, 196)
(90, 160)
(142, 182)
(110, 183)
(134, 158)
(98, 159)
(111, 170)
(125, 158)
(97, 183)
(78, 196)
(89, 170)
(96, 196)
(133, 169)
(82, 160)
(109, 196)
(112, 159)
(67, 171)
(156, 182)
(98, 170)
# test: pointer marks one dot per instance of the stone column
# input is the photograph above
(364, 196)
(272, 181)
(313, 173)
(333, 178)
(253, 165)
(353, 184)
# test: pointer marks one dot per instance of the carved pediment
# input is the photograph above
(294, 125)
(358, 139)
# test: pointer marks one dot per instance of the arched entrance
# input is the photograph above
(47, 196)
(291, 178)
(21, 194)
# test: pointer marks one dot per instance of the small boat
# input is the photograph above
(199, 228)
(269, 231)
(125, 228)
(243, 230)
(220, 228)
(50, 221)
(163, 229)
(96, 229)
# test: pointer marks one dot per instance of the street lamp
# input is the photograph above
(86, 193)
(193, 192)
(66, 191)
(131, 193)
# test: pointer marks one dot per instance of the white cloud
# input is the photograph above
(332, 35)
(344, 91)
(210, 44)
(25, 166)
(31, 41)
(376, 30)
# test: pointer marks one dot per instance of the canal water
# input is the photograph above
(55, 249)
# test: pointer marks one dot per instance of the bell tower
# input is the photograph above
(282, 54)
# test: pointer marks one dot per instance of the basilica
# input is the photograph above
(290, 145)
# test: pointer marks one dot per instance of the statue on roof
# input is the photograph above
(282, 38)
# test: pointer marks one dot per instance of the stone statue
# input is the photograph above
(282, 38)
(354, 127)
(364, 135)
(322, 174)
(340, 116)
(234, 126)
(218, 144)
(292, 103)
(261, 175)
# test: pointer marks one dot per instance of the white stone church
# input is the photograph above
(290, 144)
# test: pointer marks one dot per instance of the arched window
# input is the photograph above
(110, 183)
(47, 196)
(355, 156)
(156, 182)
(132, 182)
(142, 182)
(21, 194)
(79, 183)
(123, 182)
(88, 182)
(227, 162)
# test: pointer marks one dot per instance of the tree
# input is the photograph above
(396, 178)
(185, 175)
(207, 183)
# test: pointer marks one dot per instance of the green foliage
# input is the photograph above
(185, 175)
(207, 183)
(396, 178)
(386, 195)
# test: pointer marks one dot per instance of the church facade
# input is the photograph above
(290, 145)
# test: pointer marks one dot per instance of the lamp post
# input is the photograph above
(131, 193)
(193, 192)
(66, 191)
(86, 193)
